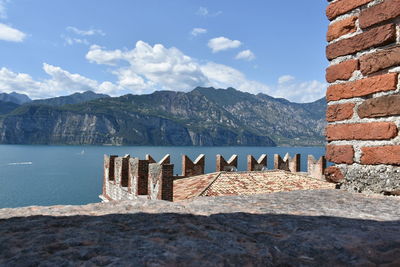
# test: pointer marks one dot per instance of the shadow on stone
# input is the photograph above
(172, 239)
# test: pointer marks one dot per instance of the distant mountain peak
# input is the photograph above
(75, 98)
(14, 97)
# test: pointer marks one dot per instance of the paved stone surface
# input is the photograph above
(329, 227)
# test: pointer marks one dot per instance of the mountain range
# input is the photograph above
(201, 117)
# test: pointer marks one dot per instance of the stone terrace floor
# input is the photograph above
(298, 228)
(244, 183)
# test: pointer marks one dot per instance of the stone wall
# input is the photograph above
(363, 111)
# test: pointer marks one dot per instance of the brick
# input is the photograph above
(339, 112)
(256, 165)
(380, 155)
(387, 10)
(340, 154)
(380, 107)
(223, 165)
(380, 60)
(340, 28)
(333, 174)
(341, 71)
(190, 168)
(343, 6)
(362, 131)
(375, 37)
(364, 87)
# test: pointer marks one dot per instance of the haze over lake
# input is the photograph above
(72, 175)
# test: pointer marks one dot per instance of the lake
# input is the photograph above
(71, 175)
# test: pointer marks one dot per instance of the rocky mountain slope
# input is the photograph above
(204, 116)
(75, 98)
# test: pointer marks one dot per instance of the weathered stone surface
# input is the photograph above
(340, 154)
(380, 107)
(381, 155)
(378, 36)
(316, 168)
(295, 228)
(333, 174)
(341, 27)
(339, 112)
(372, 178)
(380, 60)
(341, 71)
(363, 87)
(387, 10)
(161, 181)
(343, 6)
(362, 131)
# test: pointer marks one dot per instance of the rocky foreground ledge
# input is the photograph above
(329, 227)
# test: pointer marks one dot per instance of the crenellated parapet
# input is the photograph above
(257, 165)
(190, 168)
(223, 165)
(131, 177)
(287, 163)
(128, 177)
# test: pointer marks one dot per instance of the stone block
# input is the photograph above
(316, 168)
(161, 180)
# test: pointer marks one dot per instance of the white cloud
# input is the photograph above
(198, 31)
(82, 33)
(3, 11)
(85, 32)
(222, 76)
(246, 55)
(147, 68)
(285, 78)
(299, 91)
(10, 34)
(156, 67)
(18, 82)
(71, 41)
(98, 55)
(203, 11)
(222, 43)
(61, 82)
(151, 67)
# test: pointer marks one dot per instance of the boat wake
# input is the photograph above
(20, 163)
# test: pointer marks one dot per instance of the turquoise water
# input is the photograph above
(71, 175)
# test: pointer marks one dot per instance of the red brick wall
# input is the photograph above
(363, 97)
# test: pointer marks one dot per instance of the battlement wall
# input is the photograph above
(128, 178)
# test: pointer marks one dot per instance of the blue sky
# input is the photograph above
(50, 48)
